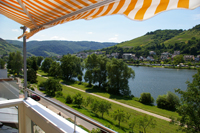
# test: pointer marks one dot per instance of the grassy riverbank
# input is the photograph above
(162, 125)
(132, 102)
(171, 67)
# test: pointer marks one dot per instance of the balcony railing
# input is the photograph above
(30, 111)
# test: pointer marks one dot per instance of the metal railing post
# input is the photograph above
(74, 123)
(24, 57)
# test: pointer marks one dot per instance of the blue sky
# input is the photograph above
(115, 28)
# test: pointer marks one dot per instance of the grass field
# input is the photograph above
(162, 126)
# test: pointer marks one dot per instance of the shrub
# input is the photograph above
(69, 99)
(146, 98)
(32, 88)
(78, 99)
(168, 101)
(59, 94)
(42, 84)
(97, 130)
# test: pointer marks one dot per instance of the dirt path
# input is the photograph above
(122, 104)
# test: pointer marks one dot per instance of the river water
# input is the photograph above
(159, 81)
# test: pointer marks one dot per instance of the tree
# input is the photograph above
(104, 107)
(118, 75)
(169, 101)
(31, 76)
(178, 59)
(10, 60)
(91, 65)
(94, 106)
(39, 60)
(88, 77)
(190, 109)
(78, 99)
(96, 69)
(79, 78)
(101, 70)
(2, 63)
(46, 65)
(71, 66)
(88, 101)
(15, 62)
(55, 69)
(51, 86)
(145, 121)
(119, 115)
(146, 98)
(34, 65)
(132, 124)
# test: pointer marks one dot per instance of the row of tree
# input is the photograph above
(111, 75)
(118, 115)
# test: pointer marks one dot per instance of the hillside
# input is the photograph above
(185, 36)
(6, 47)
(163, 36)
(53, 48)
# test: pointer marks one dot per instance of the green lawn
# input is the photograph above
(162, 126)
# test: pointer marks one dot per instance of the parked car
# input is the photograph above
(35, 97)
(42, 88)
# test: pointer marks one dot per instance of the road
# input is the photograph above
(63, 112)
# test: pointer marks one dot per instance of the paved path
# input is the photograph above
(122, 104)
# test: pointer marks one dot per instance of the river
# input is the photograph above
(159, 81)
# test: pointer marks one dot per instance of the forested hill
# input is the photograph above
(185, 41)
(6, 47)
(54, 48)
(163, 37)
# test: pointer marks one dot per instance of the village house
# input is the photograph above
(152, 53)
(115, 55)
(82, 55)
(150, 58)
(141, 58)
(176, 52)
(164, 55)
(188, 57)
(135, 58)
(197, 58)
(127, 56)
(108, 56)
(97, 53)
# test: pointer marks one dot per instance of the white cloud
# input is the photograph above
(58, 38)
(15, 30)
(113, 39)
(90, 33)
(196, 17)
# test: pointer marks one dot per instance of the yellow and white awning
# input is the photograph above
(41, 14)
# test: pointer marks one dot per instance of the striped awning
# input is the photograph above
(42, 14)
